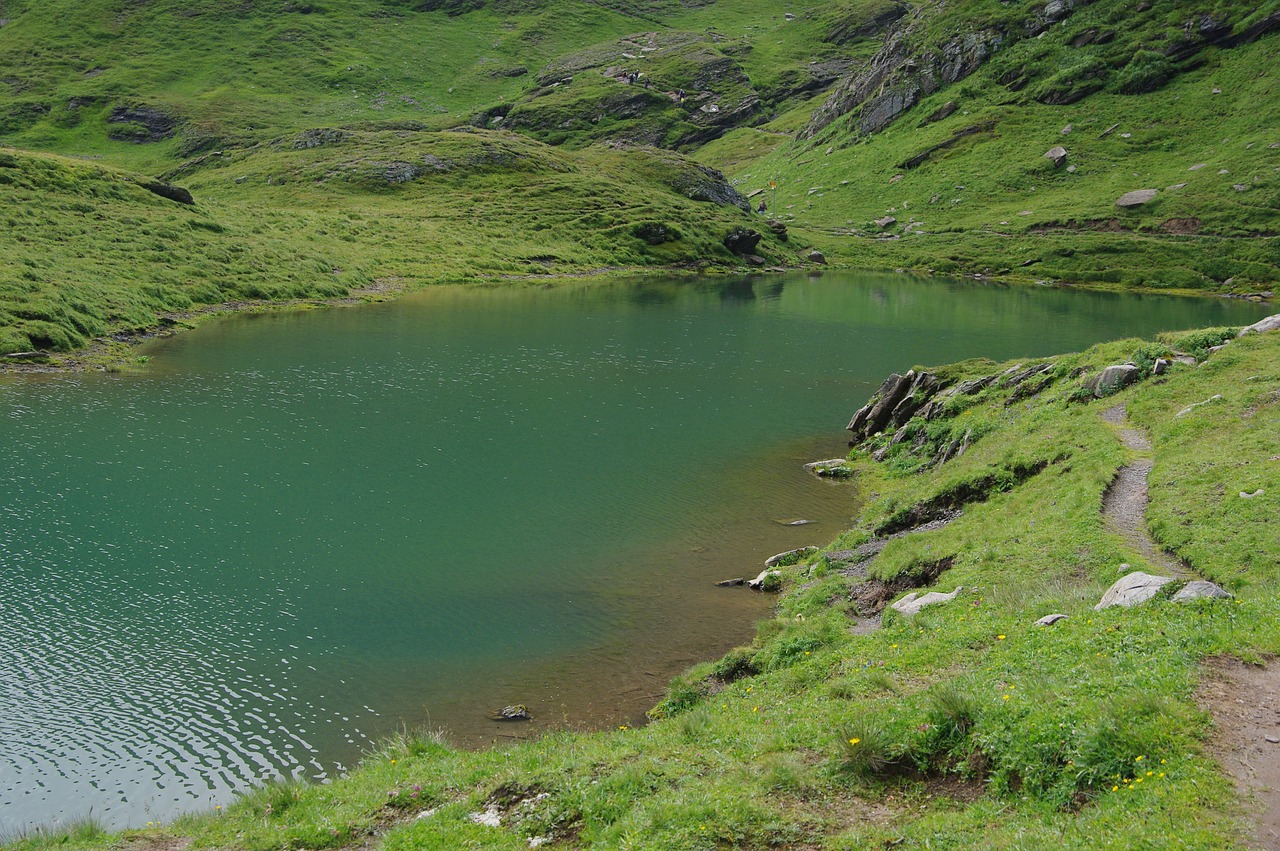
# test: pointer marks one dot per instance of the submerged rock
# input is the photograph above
(513, 712)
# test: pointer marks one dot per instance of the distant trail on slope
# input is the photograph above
(1124, 505)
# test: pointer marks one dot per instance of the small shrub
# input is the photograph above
(1198, 343)
(952, 713)
(866, 750)
(1145, 356)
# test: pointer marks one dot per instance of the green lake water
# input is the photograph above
(297, 532)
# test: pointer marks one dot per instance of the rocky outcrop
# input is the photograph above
(1216, 397)
(169, 191)
(920, 158)
(904, 404)
(696, 71)
(833, 468)
(857, 25)
(141, 124)
(900, 74)
(741, 241)
(1057, 155)
(514, 712)
(897, 400)
(790, 557)
(319, 137)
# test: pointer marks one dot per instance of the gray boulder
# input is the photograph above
(1132, 589)
(1050, 620)
(1057, 154)
(1136, 198)
(815, 256)
(1200, 590)
(885, 222)
(1112, 379)
(1161, 366)
(913, 603)
(1271, 323)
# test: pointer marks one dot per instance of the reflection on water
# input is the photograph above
(299, 531)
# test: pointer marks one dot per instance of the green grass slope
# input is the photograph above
(973, 192)
(965, 726)
(318, 214)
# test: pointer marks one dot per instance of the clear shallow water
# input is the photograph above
(299, 531)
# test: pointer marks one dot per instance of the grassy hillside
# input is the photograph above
(325, 126)
(966, 725)
(973, 192)
(320, 215)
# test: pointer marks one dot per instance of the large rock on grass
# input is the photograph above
(1113, 379)
(1200, 590)
(1136, 198)
(1132, 589)
(1271, 323)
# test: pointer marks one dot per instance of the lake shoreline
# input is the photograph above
(115, 353)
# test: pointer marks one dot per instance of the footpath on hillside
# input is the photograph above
(1243, 699)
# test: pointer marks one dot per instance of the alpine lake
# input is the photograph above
(294, 533)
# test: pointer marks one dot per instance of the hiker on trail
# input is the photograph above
(680, 96)
(647, 82)
(762, 208)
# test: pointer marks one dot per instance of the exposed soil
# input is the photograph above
(1181, 226)
(1244, 701)
(1124, 505)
